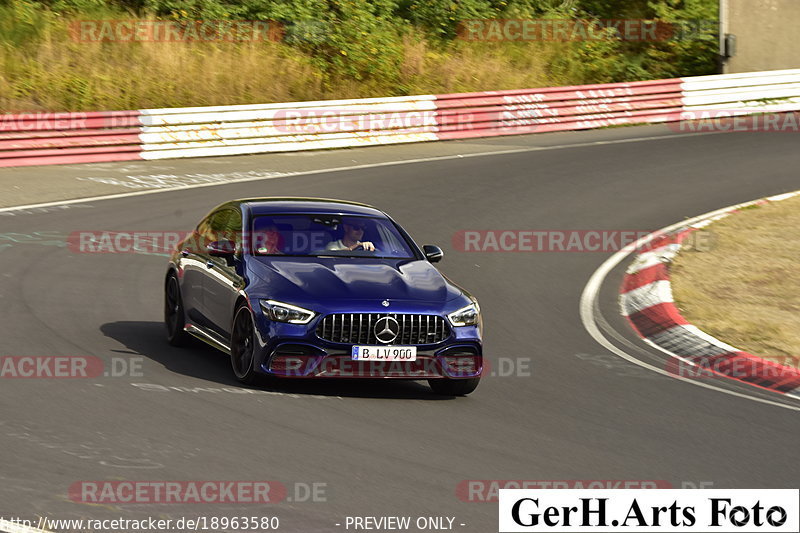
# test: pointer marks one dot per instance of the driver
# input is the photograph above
(353, 233)
(269, 240)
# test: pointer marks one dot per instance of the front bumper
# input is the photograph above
(295, 351)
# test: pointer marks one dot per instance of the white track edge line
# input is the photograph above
(353, 167)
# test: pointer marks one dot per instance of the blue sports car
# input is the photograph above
(304, 287)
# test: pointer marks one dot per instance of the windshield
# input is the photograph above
(329, 235)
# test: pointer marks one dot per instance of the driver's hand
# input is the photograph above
(367, 246)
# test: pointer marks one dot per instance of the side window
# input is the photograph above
(203, 228)
(202, 235)
(225, 224)
(388, 241)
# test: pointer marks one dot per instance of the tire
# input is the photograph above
(454, 387)
(174, 317)
(243, 343)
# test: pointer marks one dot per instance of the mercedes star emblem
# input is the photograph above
(385, 303)
(386, 329)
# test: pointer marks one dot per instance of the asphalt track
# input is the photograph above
(390, 448)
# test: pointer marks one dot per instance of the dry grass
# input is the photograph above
(467, 67)
(746, 289)
(51, 72)
(59, 74)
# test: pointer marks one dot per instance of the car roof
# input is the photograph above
(280, 205)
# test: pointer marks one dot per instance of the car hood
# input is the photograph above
(322, 278)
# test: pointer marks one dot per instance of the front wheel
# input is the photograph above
(454, 387)
(243, 346)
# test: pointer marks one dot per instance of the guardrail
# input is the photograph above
(250, 129)
(52, 138)
(63, 138)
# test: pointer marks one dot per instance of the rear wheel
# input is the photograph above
(243, 346)
(454, 387)
(174, 317)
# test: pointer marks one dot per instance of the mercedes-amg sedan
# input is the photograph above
(303, 287)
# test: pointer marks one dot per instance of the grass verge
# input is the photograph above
(745, 288)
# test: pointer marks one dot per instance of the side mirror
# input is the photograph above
(221, 249)
(433, 253)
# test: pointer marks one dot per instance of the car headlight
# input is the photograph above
(466, 316)
(283, 312)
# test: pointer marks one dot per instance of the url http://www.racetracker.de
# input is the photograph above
(198, 523)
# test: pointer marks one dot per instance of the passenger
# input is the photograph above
(353, 233)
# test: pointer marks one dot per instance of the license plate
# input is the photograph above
(384, 353)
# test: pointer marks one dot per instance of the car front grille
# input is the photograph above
(359, 328)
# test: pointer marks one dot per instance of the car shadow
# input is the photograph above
(198, 360)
